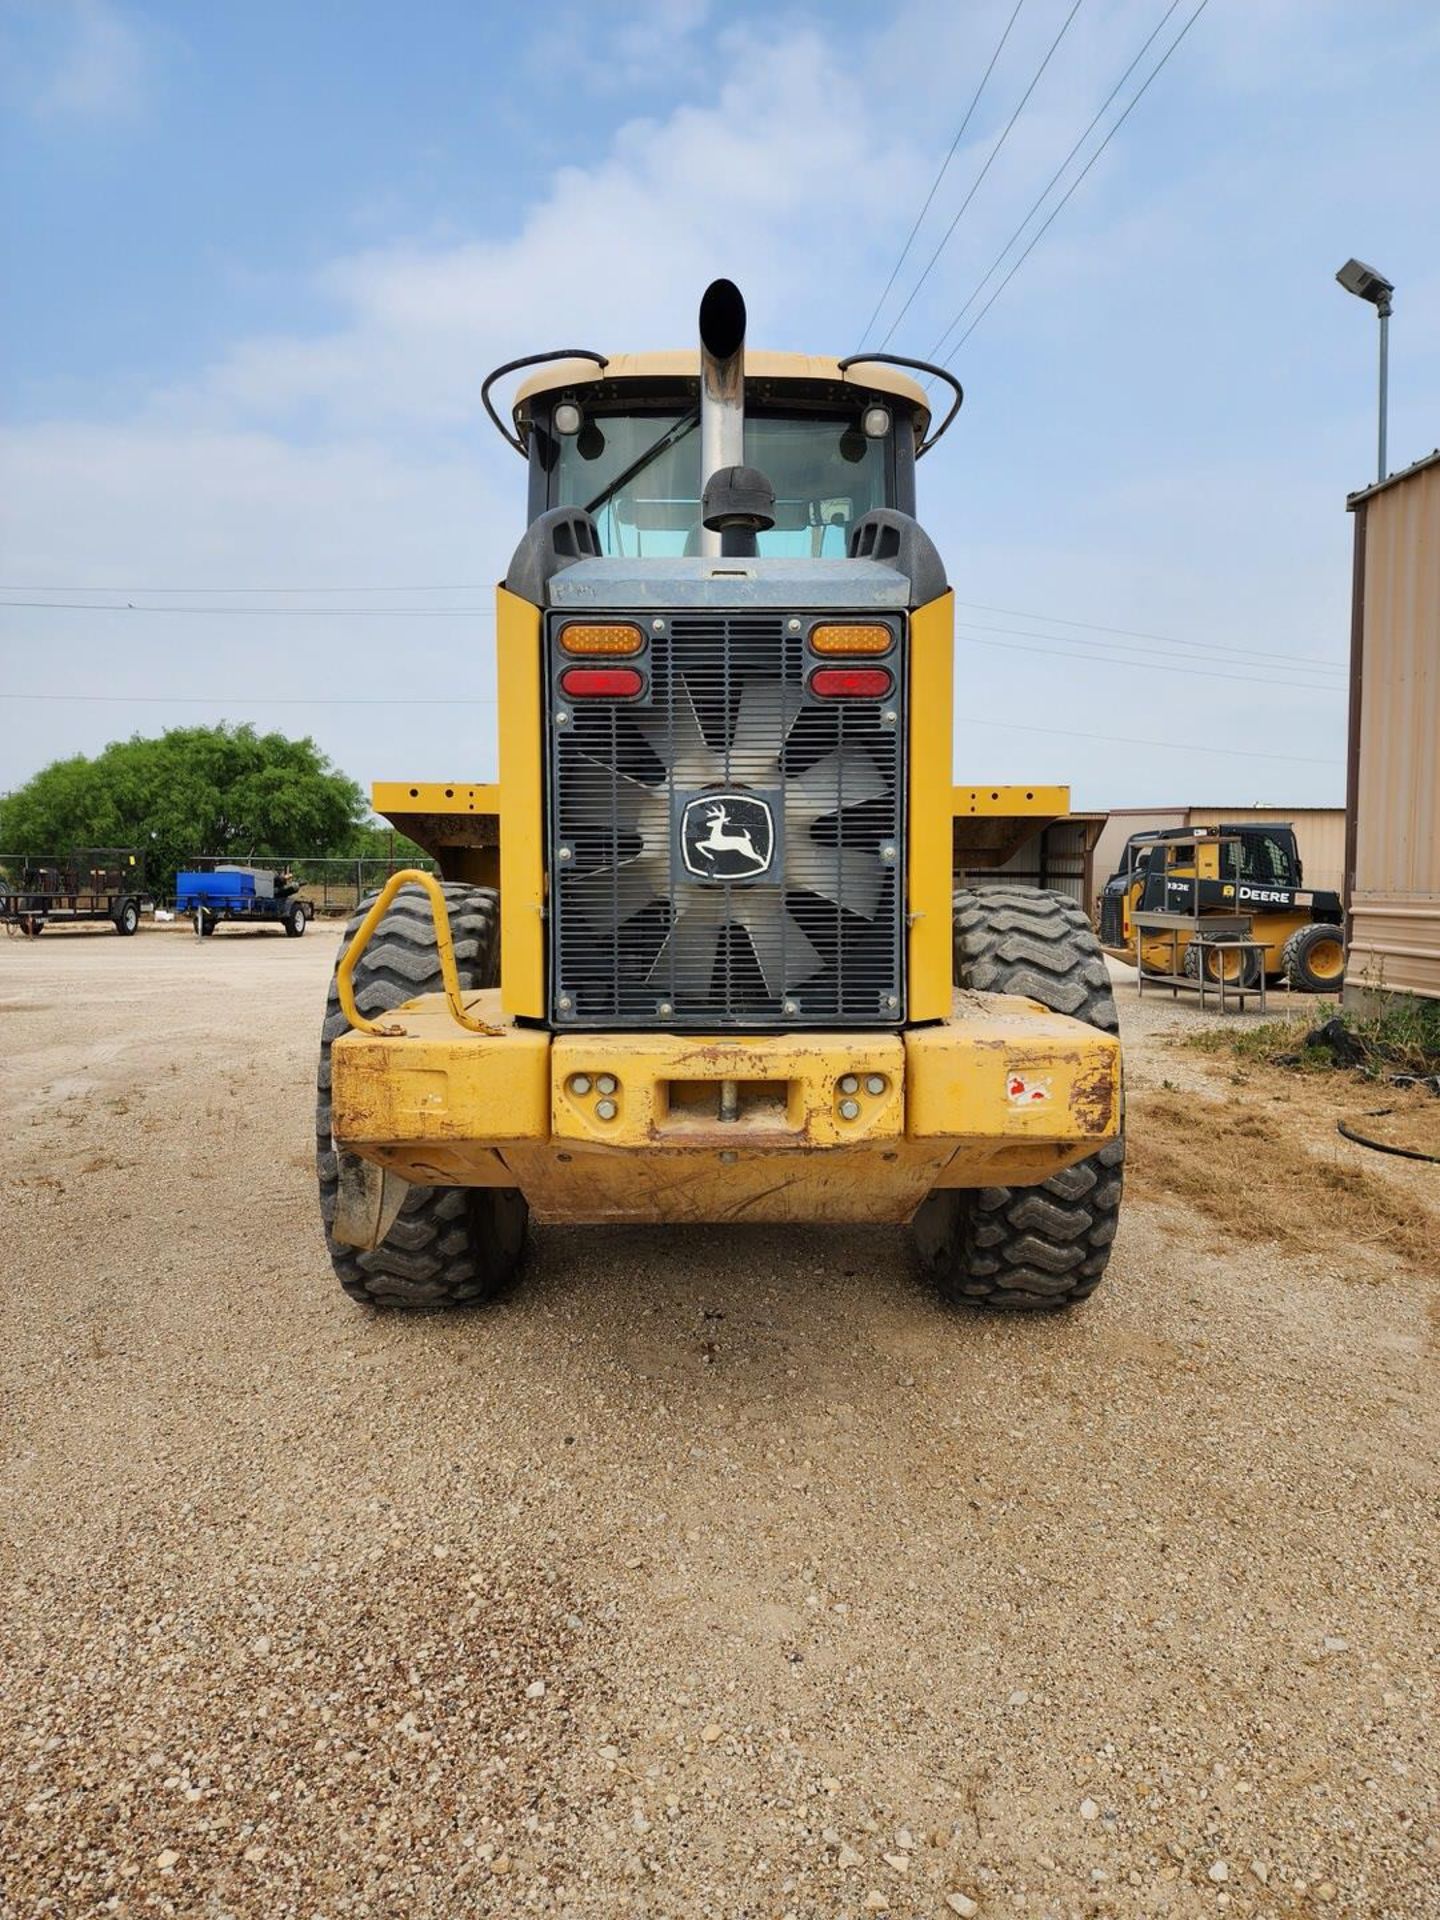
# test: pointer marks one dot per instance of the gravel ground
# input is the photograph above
(712, 1574)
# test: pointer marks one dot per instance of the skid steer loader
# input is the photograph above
(698, 957)
(1248, 868)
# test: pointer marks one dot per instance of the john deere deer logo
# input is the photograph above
(721, 840)
(728, 836)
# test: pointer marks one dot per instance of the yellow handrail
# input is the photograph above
(444, 943)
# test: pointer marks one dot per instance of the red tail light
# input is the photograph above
(601, 683)
(851, 683)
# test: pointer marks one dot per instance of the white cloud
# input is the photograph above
(359, 453)
(101, 71)
(777, 170)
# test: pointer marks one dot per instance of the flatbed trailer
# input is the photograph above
(87, 884)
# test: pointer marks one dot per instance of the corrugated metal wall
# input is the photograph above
(1395, 903)
(1119, 827)
(1053, 858)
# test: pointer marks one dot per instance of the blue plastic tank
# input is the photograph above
(217, 890)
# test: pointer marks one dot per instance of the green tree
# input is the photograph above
(224, 790)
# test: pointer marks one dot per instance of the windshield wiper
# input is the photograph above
(675, 431)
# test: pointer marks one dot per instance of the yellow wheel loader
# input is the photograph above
(699, 957)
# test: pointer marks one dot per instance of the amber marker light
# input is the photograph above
(612, 638)
(851, 639)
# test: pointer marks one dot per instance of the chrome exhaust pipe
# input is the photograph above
(722, 389)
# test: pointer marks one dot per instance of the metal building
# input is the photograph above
(1392, 858)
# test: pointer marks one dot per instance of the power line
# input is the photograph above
(473, 586)
(1125, 646)
(969, 630)
(1044, 194)
(1094, 658)
(1131, 633)
(1064, 200)
(255, 613)
(487, 613)
(967, 720)
(1127, 740)
(468, 586)
(991, 158)
(247, 700)
(1153, 666)
(944, 169)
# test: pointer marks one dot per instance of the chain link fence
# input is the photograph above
(334, 884)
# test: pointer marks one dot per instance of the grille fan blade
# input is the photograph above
(847, 772)
(690, 947)
(784, 952)
(729, 713)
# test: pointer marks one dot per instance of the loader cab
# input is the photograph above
(728, 656)
(625, 445)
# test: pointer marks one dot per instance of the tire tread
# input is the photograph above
(1294, 960)
(449, 1245)
(1040, 1247)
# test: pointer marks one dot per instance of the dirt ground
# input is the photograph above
(713, 1574)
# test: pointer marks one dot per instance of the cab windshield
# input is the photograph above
(826, 473)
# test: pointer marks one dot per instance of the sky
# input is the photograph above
(260, 257)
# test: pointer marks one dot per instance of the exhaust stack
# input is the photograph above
(722, 389)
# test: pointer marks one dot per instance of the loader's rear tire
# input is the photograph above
(449, 1246)
(1314, 958)
(1238, 969)
(1024, 1249)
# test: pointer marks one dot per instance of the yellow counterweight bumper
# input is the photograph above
(667, 1127)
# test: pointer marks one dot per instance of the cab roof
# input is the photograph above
(768, 375)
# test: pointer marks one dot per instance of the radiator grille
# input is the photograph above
(728, 851)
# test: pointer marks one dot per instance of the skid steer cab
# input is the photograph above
(699, 956)
(1246, 868)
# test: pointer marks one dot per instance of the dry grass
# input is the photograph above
(1249, 1173)
(1404, 1038)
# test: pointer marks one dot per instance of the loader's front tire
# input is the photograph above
(449, 1246)
(1047, 1246)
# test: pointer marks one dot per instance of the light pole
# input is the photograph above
(1366, 284)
